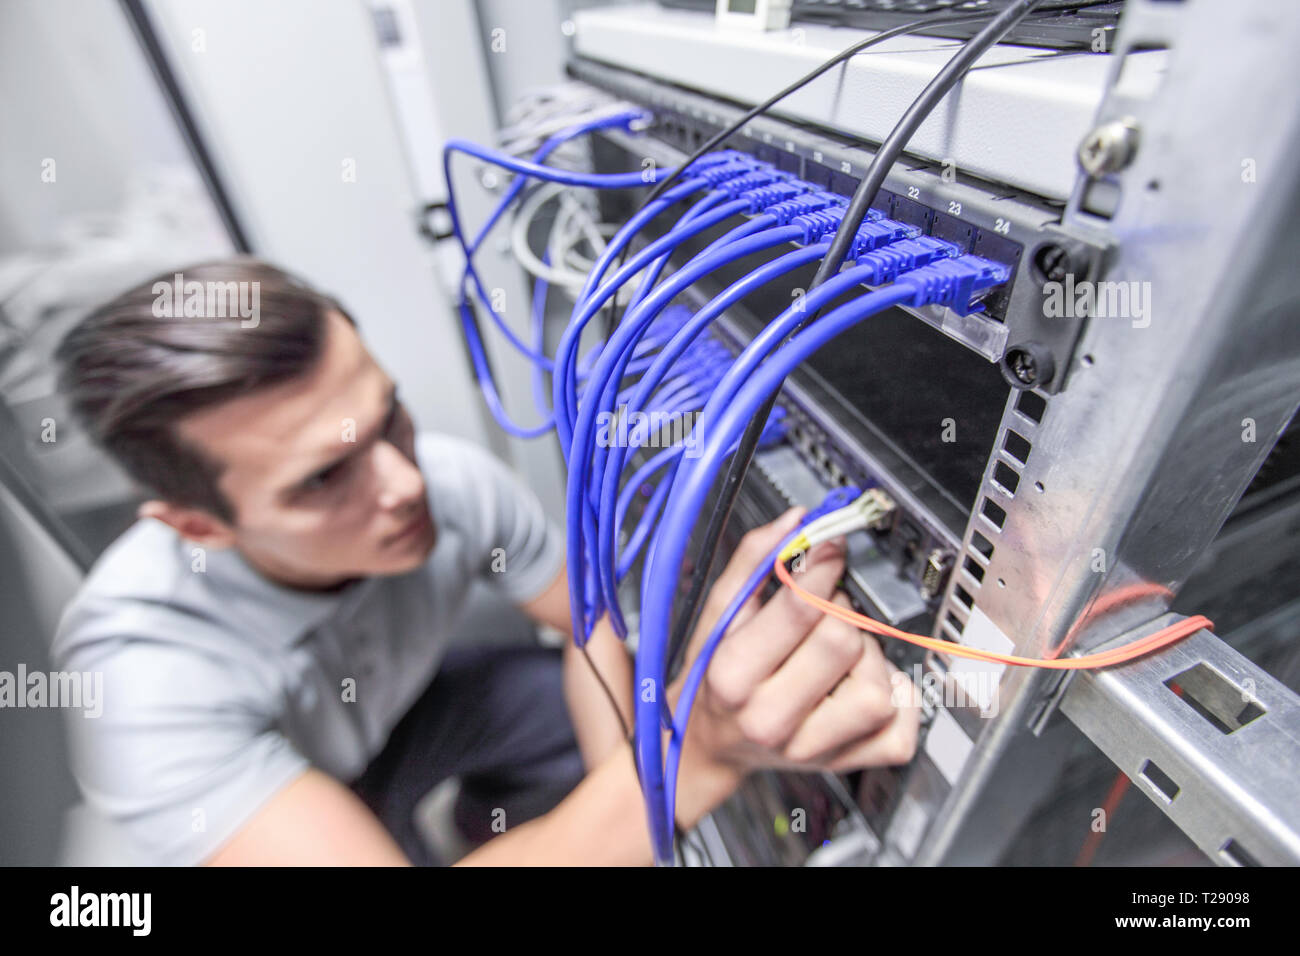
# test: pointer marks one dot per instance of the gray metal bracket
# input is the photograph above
(1212, 739)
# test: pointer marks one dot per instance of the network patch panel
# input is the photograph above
(995, 221)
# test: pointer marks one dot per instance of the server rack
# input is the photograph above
(1124, 446)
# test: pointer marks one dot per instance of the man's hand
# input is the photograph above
(789, 686)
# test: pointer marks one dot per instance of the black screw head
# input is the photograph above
(1053, 262)
(1028, 366)
(1023, 366)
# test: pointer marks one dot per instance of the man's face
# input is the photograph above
(321, 471)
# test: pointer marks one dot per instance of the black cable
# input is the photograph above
(691, 606)
(719, 138)
(906, 127)
(722, 512)
(863, 196)
(609, 694)
(678, 833)
(918, 25)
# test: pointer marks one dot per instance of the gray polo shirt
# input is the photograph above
(220, 687)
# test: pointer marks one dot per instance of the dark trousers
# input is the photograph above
(496, 718)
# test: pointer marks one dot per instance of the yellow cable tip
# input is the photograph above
(797, 544)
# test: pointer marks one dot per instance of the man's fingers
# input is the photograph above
(752, 550)
(781, 704)
(872, 719)
(861, 706)
(754, 652)
(895, 744)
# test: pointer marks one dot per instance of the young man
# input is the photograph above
(270, 629)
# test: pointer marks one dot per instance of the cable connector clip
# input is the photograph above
(891, 261)
(874, 233)
(955, 283)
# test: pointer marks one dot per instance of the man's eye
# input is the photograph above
(322, 480)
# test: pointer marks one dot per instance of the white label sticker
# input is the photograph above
(948, 745)
(980, 679)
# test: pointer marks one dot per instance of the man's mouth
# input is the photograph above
(417, 526)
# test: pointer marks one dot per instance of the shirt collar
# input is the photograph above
(280, 614)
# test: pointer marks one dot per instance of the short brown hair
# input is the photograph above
(131, 374)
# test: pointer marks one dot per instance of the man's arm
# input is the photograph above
(598, 730)
(314, 821)
(789, 687)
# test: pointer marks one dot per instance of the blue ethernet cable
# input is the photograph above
(470, 274)
(732, 176)
(783, 196)
(836, 498)
(711, 170)
(809, 218)
(541, 398)
(720, 395)
(486, 382)
(881, 265)
(564, 384)
(580, 516)
(539, 360)
(666, 359)
(621, 120)
(591, 299)
(551, 174)
(772, 431)
(620, 342)
(812, 214)
(578, 503)
(787, 204)
(665, 327)
(633, 226)
(648, 469)
(693, 366)
(652, 273)
(624, 120)
(642, 533)
(676, 390)
(951, 282)
(877, 266)
(478, 359)
(567, 349)
(750, 185)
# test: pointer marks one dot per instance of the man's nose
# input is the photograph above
(400, 481)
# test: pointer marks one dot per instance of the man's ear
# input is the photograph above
(190, 523)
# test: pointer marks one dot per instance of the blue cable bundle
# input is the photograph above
(661, 364)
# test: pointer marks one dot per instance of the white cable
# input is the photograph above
(527, 135)
(864, 512)
(555, 273)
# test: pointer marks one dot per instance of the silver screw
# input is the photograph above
(1109, 147)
